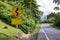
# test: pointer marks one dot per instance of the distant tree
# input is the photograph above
(52, 14)
(56, 8)
(57, 19)
(56, 1)
(54, 18)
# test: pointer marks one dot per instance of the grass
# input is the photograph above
(9, 32)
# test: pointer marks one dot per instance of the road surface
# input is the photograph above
(48, 33)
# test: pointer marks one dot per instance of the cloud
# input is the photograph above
(46, 6)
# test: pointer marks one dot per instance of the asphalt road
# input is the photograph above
(48, 33)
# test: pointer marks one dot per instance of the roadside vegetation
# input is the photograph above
(35, 33)
(30, 16)
(54, 19)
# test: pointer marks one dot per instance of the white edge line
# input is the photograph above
(45, 34)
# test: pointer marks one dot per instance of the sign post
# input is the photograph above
(17, 32)
(16, 21)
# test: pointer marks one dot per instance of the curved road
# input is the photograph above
(48, 33)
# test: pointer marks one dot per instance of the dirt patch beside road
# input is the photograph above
(27, 36)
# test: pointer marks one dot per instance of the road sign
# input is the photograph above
(16, 11)
(16, 21)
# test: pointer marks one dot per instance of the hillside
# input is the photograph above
(8, 32)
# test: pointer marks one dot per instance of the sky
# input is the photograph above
(47, 6)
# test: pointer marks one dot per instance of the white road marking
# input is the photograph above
(45, 34)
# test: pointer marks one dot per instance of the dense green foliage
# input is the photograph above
(30, 14)
(54, 18)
